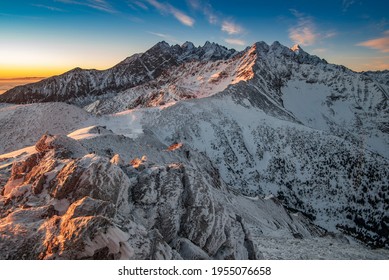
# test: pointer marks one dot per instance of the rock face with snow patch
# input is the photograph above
(341, 186)
(63, 203)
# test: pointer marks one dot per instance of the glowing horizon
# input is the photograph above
(31, 72)
(51, 37)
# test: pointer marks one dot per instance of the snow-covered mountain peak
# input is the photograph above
(130, 59)
(245, 69)
(161, 45)
(188, 45)
(213, 45)
(279, 50)
(276, 44)
(261, 45)
(296, 48)
(77, 69)
(208, 44)
(213, 51)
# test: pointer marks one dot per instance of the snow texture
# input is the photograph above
(187, 152)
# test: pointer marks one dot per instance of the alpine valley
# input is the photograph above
(185, 152)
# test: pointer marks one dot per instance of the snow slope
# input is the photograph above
(23, 125)
(49, 194)
(340, 185)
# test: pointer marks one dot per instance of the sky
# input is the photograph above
(41, 38)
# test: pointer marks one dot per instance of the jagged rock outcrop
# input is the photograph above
(63, 203)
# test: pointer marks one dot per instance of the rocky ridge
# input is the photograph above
(75, 205)
(133, 71)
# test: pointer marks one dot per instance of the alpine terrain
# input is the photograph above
(185, 152)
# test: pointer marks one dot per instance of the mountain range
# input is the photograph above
(197, 153)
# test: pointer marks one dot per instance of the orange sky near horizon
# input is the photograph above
(16, 71)
(7, 84)
(19, 71)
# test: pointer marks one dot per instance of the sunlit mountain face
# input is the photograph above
(194, 129)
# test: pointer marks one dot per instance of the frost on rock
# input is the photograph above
(86, 206)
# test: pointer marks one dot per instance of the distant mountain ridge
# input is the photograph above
(134, 70)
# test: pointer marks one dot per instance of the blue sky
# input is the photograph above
(45, 37)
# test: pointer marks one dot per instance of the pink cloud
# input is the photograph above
(303, 33)
(381, 44)
(181, 17)
(233, 41)
(231, 28)
(169, 9)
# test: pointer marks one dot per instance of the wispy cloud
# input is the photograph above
(195, 4)
(135, 19)
(233, 41)
(54, 9)
(303, 33)
(159, 6)
(328, 34)
(141, 5)
(137, 5)
(346, 4)
(169, 9)
(381, 44)
(182, 17)
(212, 18)
(382, 23)
(164, 36)
(231, 28)
(100, 5)
(206, 9)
